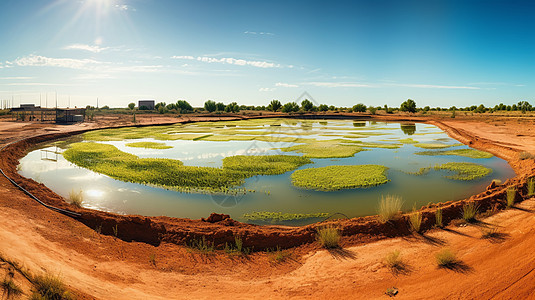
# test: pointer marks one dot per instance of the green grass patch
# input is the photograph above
(328, 237)
(108, 160)
(389, 208)
(279, 217)
(332, 178)
(471, 153)
(149, 145)
(325, 149)
(464, 170)
(264, 165)
(438, 218)
(433, 145)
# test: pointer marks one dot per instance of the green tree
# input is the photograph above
(323, 107)
(524, 106)
(359, 108)
(232, 107)
(220, 106)
(290, 107)
(307, 105)
(158, 105)
(183, 106)
(131, 106)
(408, 106)
(274, 105)
(210, 106)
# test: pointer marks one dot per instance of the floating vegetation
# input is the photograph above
(264, 165)
(325, 149)
(374, 145)
(149, 145)
(471, 153)
(275, 217)
(434, 145)
(408, 141)
(464, 170)
(108, 160)
(332, 178)
(421, 171)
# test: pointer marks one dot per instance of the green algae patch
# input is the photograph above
(171, 173)
(471, 153)
(408, 141)
(264, 165)
(275, 217)
(149, 145)
(464, 170)
(433, 145)
(325, 149)
(332, 178)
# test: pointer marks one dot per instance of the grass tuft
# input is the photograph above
(76, 198)
(438, 218)
(201, 245)
(531, 186)
(11, 289)
(389, 207)
(445, 258)
(50, 287)
(511, 195)
(279, 255)
(393, 260)
(328, 237)
(470, 211)
(415, 221)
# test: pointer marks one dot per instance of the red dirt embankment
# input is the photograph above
(155, 230)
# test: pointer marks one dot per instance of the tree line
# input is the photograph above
(182, 106)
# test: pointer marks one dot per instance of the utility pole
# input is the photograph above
(56, 99)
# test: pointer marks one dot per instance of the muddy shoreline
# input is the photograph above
(157, 230)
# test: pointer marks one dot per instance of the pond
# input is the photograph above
(192, 170)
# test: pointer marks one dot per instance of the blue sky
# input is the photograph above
(439, 53)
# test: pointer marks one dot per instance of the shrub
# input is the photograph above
(511, 195)
(393, 260)
(279, 255)
(50, 287)
(201, 245)
(11, 289)
(470, 211)
(531, 187)
(525, 155)
(76, 198)
(389, 207)
(415, 220)
(328, 237)
(445, 258)
(438, 218)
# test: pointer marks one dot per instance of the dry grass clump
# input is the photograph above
(470, 211)
(77, 198)
(389, 207)
(438, 218)
(328, 237)
(393, 260)
(50, 287)
(415, 220)
(525, 155)
(445, 258)
(531, 186)
(511, 195)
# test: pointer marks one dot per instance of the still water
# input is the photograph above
(273, 193)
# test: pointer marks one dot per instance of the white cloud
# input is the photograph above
(42, 61)
(122, 7)
(90, 48)
(432, 86)
(230, 61)
(258, 33)
(282, 84)
(338, 84)
(183, 57)
(266, 89)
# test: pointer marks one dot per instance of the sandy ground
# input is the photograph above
(104, 267)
